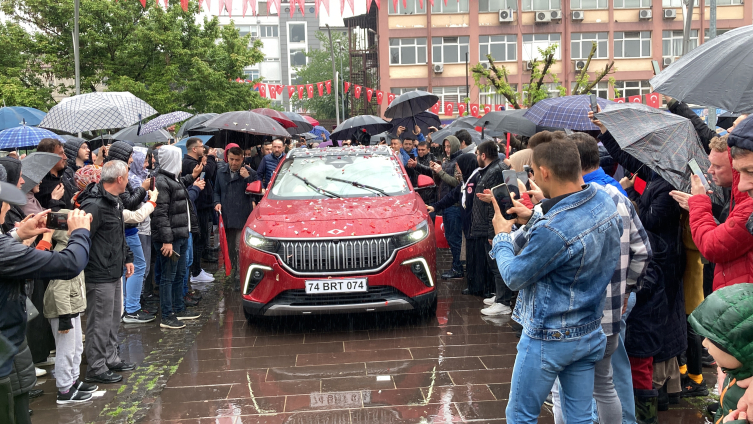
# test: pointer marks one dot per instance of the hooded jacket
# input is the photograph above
(71, 149)
(447, 175)
(467, 164)
(15, 214)
(206, 196)
(132, 197)
(109, 250)
(174, 217)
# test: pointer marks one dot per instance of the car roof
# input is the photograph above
(340, 151)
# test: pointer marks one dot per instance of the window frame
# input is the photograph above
(644, 4)
(573, 5)
(404, 11)
(495, 96)
(489, 43)
(440, 4)
(534, 52)
(598, 40)
(602, 87)
(402, 90)
(263, 28)
(441, 45)
(673, 38)
(644, 87)
(442, 96)
(530, 4)
(416, 50)
(511, 4)
(297, 50)
(305, 33)
(640, 39)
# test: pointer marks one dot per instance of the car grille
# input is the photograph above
(336, 255)
(299, 297)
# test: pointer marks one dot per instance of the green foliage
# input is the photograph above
(583, 83)
(166, 57)
(21, 76)
(319, 68)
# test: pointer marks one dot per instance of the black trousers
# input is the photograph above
(503, 293)
(13, 409)
(201, 240)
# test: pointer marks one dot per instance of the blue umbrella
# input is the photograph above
(565, 112)
(319, 130)
(182, 143)
(15, 116)
(163, 121)
(24, 136)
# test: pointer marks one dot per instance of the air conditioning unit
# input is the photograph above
(506, 15)
(529, 65)
(670, 14)
(543, 17)
(645, 14)
(667, 60)
(556, 15)
(438, 68)
(578, 65)
(577, 15)
(485, 65)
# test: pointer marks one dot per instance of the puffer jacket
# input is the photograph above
(267, 167)
(448, 173)
(174, 212)
(729, 245)
(64, 297)
(482, 213)
(23, 376)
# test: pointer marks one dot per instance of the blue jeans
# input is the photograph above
(538, 363)
(189, 262)
(134, 283)
(453, 232)
(171, 278)
(621, 375)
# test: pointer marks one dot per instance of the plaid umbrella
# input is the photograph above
(97, 111)
(319, 130)
(164, 120)
(14, 116)
(665, 142)
(24, 136)
(247, 122)
(565, 112)
(301, 124)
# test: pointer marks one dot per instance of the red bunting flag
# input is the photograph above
(394, 5)
(263, 90)
(368, 4)
(183, 4)
(278, 88)
(270, 3)
(461, 109)
(301, 6)
(619, 100)
(435, 108)
(357, 94)
(310, 90)
(380, 96)
(499, 108)
(653, 100)
(328, 84)
(369, 93)
(391, 97)
(474, 110)
(291, 91)
(300, 92)
(636, 99)
(346, 85)
(246, 3)
(487, 109)
(272, 92)
(320, 88)
(449, 108)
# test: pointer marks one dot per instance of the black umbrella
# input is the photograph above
(97, 142)
(195, 123)
(507, 121)
(726, 119)
(466, 122)
(372, 125)
(439, 136)
(716, 73)
(248, 122)
(301, 124)
(410, 104)
(424, 120)
(130, 134)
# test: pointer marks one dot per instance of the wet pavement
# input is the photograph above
(381, 368)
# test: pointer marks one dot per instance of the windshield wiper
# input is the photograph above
(359, 185)
(318, 189)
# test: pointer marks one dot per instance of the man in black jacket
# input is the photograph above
(422, 166)
(204, 205)
(103, 274)
(54, 178)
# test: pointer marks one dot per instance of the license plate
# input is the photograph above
(336, 286)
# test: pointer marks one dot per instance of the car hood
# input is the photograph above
(358, 216)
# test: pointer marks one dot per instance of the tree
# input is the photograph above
(496, 77)
(319, 68)
(166, 57)
(21, 75)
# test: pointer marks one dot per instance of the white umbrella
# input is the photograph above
(97, 111)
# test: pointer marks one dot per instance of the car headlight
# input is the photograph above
(413, 236)
(256, 241)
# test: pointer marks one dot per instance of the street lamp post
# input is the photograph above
(339, 48)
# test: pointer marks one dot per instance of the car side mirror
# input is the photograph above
(425, 181)
(254, 187)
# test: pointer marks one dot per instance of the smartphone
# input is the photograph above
(201, 177)
(523, 177)
(594, 104)
(504, 200)
(411, 155)
(151, 183)
(175, 256)
(655, 65)
(697, 170)
(528, 170)
(57, 221)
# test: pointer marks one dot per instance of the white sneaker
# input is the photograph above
(490, 301)
(496, 309)
(207, 275)
(40, 371)
(201, 279)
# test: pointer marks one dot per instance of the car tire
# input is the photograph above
(427, 310)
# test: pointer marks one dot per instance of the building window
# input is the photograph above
(297, 58)
(581, 44)
(399, 91)
(671, 42)
(296, 33)
(533, 42)
(676, 3)
(412, 7)
(261, 8)
(725, 2)
(251, 74)
(456, 6)
(632, 88)
(588, 4)
(449, 95)
(407, 51)
(494, 99)
(496, 5)
(601, 89)
(550, 87)
(541, 5)
(449, 49)
(247, 29)
(632, 44)
(718, 33)
(632, 4)
(269, 31)
(503, 48)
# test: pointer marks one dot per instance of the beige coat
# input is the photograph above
(64, 297)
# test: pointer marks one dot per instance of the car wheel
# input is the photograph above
(249, 317)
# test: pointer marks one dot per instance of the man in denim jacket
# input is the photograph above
(562, 275)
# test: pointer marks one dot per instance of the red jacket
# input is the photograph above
(729, 245)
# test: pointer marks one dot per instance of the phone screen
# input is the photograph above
(523, 177)
(175, 256)
(655, 64)
(201, 177)
(504, 200)
(594, 104)
(57, 221)
(697, 170)
(151, 184)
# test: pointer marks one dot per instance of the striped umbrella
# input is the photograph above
(24, 136)
(164, 120)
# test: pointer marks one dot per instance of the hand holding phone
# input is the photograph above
(697, 171)
(594, 103)
(57, 221)
(504, 200)
(201, 177)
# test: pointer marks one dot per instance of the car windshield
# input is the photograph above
(379, 172)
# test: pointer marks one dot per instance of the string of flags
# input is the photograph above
(300, 5)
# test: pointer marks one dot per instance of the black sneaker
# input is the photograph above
(712, 408)
(138, 317)
(187, 315)
(122, 366)
(693, 389)
(452, 275)
(73, 396)
(108, 377)
(35, 393)
(85, 387)
(171, 322)
(190, 302)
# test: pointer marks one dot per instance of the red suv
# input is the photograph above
(339, 230)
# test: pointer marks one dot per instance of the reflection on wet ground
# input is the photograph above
(382, 368)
